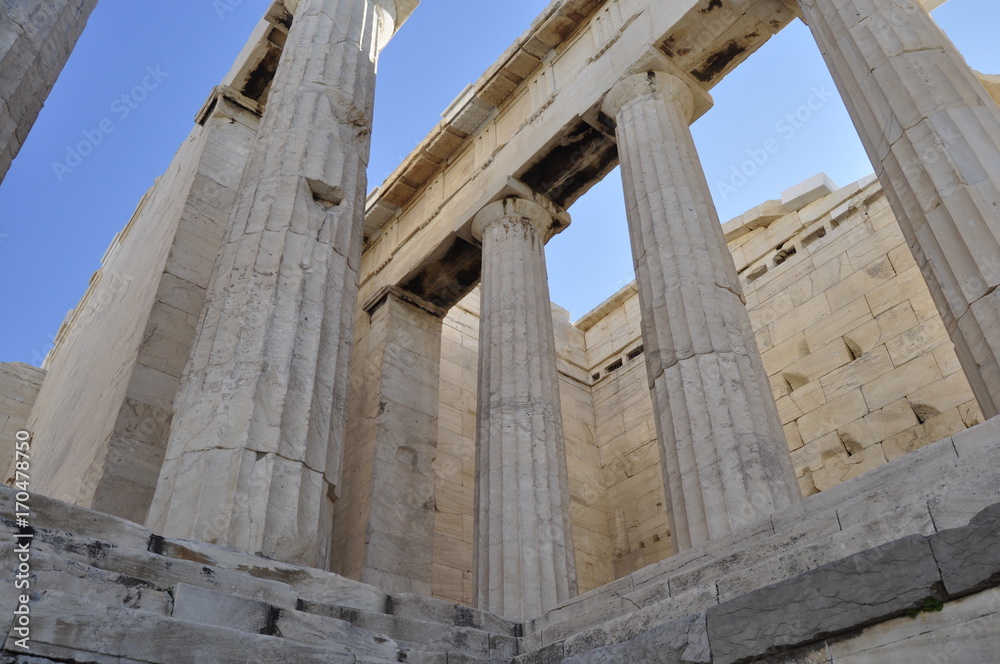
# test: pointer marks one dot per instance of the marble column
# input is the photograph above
(524, 563)
(384, 522)
(932, 132)
(36, 39)
(253, 460)
(723, 452)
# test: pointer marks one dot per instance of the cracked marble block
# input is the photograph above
(524, 562)
(932, 130)
(723, 450)
(253, 460)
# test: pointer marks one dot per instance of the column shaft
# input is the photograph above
(253, 460)
(723, 451)
(524, 562)
(932, 132)
(36, 39)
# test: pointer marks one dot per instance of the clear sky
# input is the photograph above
(55, 223)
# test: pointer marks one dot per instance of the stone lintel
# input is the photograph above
(230, 94)
(406, 296)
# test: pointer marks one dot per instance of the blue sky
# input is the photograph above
(143, 69)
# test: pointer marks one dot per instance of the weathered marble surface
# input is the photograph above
(524, 562)
(933, 132)
(724, 459)
(257, 439)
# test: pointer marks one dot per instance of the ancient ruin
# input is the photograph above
(295, 422)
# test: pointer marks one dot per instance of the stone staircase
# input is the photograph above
(107, 590)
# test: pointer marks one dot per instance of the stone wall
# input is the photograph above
(860, 362)
(102, 422)
(19, 385)
(626, 433)
(36, 38)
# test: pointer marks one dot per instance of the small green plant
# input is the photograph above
(930, 605)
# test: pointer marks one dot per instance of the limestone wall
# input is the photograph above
(861, 365)
(36, 38)
(103, 419)
(862, 368)
(19, 385)
(626, 433)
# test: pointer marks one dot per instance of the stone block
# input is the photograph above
(841, 469)
(967, 630)
(957, 506)
(943, 395)
(833, 415)
(856, 373)
(807, 191)
(969, 557)
(985, 436)
(53, 572)
(633, 623)
(416, 607)
(553, 654)
(800, 318)
(308, 583)
(208, 607)
(914, 478)
(850, 593)
(860, 283)
(159, 571)
(337, 635)
(803, 544)
(56, 515)
(63, 627)
(901, 381)
(934, 429)
(814, 455)
(817, 364)
(683, 641)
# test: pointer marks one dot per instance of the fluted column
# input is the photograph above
(524, 562)
(933, 133)
(36, 39)
(723, 451)
(253, 460)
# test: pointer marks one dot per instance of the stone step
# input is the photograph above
(52, 572)
(71, 628)
(940, 486)
(209, 585)
(115, 544)
(421, 634)
(208, 607)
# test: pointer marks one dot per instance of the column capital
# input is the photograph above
(401, 9)
(513, 209)
(649, 84)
